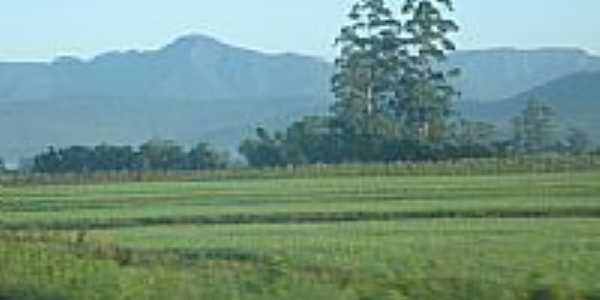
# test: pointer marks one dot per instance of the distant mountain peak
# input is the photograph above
(193, 41)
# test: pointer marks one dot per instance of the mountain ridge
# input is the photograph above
(193, 67)
(168, 72)
(198, 88)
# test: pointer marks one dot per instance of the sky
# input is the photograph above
(40, 30)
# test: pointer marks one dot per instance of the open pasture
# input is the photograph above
(527, 236)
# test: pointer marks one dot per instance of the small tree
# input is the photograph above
(47, 162)
(204, 157)
(115, 158)
(539, 123)
(474, 132)
(311, 141)
(518, 134)
(534, 130)
(578, 141)
(162, 155)
(77, 159)
(265, 151)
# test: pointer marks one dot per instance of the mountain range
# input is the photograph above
(197, 88)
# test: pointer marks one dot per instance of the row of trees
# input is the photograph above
(155, 155)
(304, 143)
(317, 139)
(535, 131)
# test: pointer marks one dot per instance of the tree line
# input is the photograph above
(312, 141)
(154, 155)
(534, 131)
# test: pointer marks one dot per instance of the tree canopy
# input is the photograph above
(154, 155)
(388, 80)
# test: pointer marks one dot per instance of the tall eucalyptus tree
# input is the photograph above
(389, 69)
(367, 69)
(424, 98)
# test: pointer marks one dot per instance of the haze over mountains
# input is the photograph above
(192, 67)
(575, 98)
(198, 88)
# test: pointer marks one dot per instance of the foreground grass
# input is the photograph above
(520, 236)
(468, 259)
(444, 259)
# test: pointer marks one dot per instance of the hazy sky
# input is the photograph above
(34, 30)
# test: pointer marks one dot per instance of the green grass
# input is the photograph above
(300, 200)
(505, 253)
(510, 236)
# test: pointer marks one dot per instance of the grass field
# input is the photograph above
(520, 236)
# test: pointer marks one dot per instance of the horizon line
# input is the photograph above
(141, 50)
